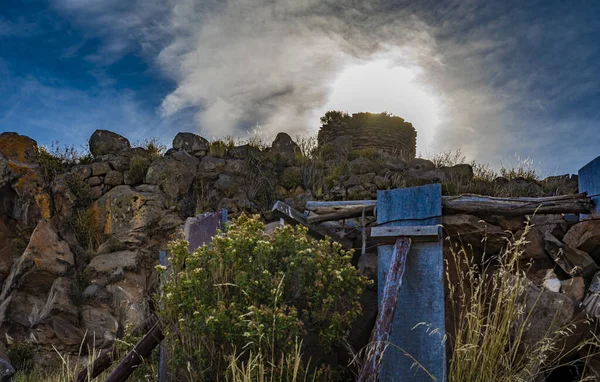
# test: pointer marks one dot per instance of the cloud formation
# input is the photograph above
(513, 77)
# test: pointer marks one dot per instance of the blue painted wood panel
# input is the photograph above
(418, 327)
(589, 181)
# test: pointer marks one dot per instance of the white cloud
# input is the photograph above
(240, 62)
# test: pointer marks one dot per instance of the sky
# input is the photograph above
(499, 80)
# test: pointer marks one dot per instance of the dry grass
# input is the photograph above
(491, 318)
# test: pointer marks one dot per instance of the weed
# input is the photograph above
(21, 356)
(138, 167)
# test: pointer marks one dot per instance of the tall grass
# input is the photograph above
(491, 318)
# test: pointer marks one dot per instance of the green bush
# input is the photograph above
(138, 166)
(250, 294)
(21, 356)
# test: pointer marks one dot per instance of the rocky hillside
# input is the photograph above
(79, 239)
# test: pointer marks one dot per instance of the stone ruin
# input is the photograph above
(383, 132)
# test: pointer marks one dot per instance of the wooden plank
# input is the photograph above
(385, 316)
(418, 327)
(417, 233)
(589, 182)
(341, 214)
(474, 204)
(578, 203)
(294, 217)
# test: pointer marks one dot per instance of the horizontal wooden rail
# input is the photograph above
(472, 204)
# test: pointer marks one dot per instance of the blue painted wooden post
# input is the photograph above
(418, 327)
(589, 181)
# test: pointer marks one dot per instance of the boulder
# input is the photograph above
(94, 181)
(470, 231)
(586, 237)
(101, 325)
(100, 168)
(18, 148)
(573, 261)
(420, 165)
(117, 261)
(229, 185)
(103, 142)
(285, 147)
(7, 371)
(191, 143)
(174, 175)
(135, 213)
(362, 165)
(211, 166)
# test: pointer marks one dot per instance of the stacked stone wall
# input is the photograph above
(381, 131)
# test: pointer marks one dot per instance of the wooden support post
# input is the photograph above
(589, 181)
(385, 316)
(137, 355)
(418, 327)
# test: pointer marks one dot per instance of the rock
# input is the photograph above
(103, 142)
(113, 178)
(573, 261)
(574, 288)
(100, 168)
(367, 266)
(470, 230)
(382, 182)
(211, 165)
(555, 224)
(586, 237)
(271, 228)
(342, 145)
(592, 297)
(18, 148)
(95, 192)
(547, 312)
(136, 213)
(101, 325)
(421, 165)
(45, 258)
(174, 175)
(534, 251)
(285, 147)
(94, 181)
(228, 184)
(191, 143)
(243, 151)
(551, 282)
(123, 260)
(82, 171)
(120, 163)
(362, 165)
(459, 172)
(360, 180)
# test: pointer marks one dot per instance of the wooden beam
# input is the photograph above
(385, 317)
(107, 357)
(137, 355)
(294, 217)
(578, 203)
(416, 233)
(471, 204)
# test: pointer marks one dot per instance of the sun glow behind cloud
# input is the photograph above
(381, 84)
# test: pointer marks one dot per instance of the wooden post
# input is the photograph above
(385, 316)
(589, 181)
(418, 327)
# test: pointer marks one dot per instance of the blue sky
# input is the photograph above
(497, 79)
